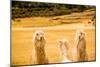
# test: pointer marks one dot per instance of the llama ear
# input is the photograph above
(59, 42)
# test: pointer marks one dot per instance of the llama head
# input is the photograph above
(80, 34)
(63, 42)
(39, 35)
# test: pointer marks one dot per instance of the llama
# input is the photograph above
(92, 21)
(81, 46)
(63, 45)
(39, 43)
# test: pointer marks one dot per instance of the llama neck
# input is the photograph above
(64, 57)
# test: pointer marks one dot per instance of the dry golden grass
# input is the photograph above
(22, 44)
(81, 17)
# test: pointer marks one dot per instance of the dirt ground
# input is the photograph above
(22, 44)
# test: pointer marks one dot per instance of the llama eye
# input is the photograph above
(37, 34)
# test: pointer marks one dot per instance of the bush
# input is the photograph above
(29, 9)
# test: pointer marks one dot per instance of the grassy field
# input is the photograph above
(81, 17)
(55, 28)
(22, 45)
